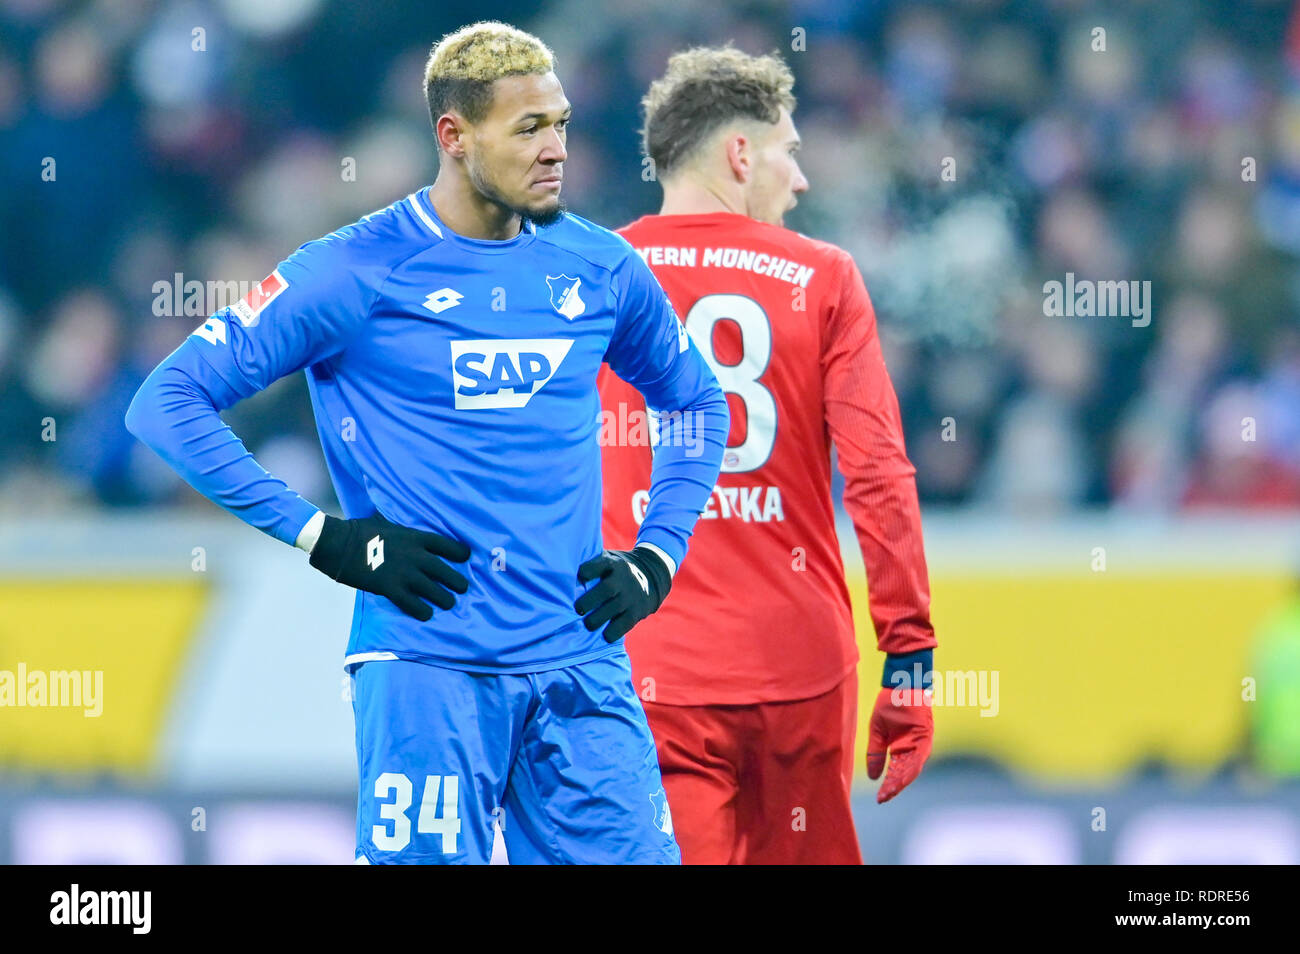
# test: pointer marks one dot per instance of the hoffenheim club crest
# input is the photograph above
(662, 813)
(564, 295)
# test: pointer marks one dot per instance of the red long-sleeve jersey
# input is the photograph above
(759, 611)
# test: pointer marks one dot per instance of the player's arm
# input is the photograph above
(321, 302)
(880, 496)
(651, 351)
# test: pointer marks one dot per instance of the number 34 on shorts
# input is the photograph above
(394, 792)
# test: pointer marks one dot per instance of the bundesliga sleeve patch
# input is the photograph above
(262, 294)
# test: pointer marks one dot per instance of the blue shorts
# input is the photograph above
(561, 762)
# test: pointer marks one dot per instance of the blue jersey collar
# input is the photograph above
(423, 208)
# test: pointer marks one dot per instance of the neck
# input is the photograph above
(687, 196)
(467, 212)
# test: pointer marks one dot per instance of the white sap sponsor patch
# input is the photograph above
(503, 372)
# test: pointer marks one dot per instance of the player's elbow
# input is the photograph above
(161, 394)
(710, 417)
(140, 415)
(713, 402)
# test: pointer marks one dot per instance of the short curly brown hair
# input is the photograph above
(704, 88)
(463, 66)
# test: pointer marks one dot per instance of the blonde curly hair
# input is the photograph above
(463, 66)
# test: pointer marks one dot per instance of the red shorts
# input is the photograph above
(761, 784)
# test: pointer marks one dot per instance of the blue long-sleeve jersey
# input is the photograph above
(454, 387)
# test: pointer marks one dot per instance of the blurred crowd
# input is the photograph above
(965, 152)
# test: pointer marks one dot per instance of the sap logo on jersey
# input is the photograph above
(504, 372)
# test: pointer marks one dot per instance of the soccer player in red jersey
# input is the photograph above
(749, 672)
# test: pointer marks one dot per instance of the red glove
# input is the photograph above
(904, 731)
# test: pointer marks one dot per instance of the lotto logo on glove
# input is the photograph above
(407, 566)
(640, 578)
(633, 584)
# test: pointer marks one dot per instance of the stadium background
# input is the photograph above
(1112, 533)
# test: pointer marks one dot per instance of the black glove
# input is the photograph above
(378, 556)
(633, 584)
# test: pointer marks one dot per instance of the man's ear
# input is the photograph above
(738, 157)
(450, 131)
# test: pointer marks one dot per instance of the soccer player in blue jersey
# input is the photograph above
(451, 344)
